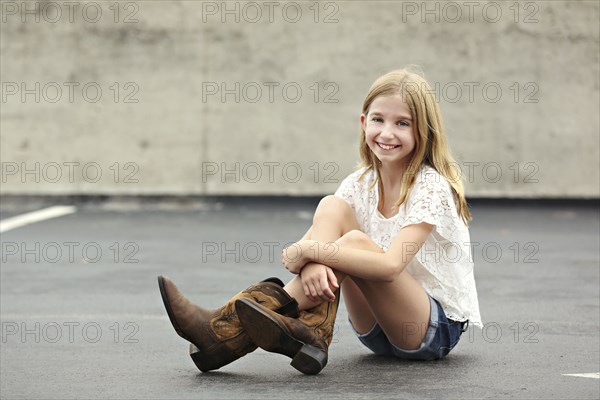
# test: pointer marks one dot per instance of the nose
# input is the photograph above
(387, 132)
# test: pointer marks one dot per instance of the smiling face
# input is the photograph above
(389, 131)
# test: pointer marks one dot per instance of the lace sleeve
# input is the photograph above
(431, 201)
(347, 190)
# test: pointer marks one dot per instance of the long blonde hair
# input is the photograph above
(430, 136)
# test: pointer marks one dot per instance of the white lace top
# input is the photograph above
(444, 264)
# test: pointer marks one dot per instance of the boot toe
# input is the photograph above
(167, 287)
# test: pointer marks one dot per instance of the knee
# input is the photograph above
(353, 238)
(332, 208)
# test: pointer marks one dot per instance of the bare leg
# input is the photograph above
(333, 218)
(400, 307)
(358, 308)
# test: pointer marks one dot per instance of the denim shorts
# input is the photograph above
(441, 337)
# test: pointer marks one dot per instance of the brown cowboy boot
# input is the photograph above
(305, 340)
(217, 337)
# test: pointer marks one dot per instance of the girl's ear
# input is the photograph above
(362, 121)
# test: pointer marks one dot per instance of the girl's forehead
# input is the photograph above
(394, 105)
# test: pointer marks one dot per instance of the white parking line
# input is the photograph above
(35, 216)
(593, 375)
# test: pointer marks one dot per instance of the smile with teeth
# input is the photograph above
(387, 146)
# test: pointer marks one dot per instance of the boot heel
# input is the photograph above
(199, 358)
(309, 360)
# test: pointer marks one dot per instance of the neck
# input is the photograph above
(391, 175)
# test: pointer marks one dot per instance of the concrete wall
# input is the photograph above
(168, 120)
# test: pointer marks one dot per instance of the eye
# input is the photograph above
(404, 123)
(376, 119)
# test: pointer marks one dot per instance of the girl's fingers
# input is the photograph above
(319, 291)
(332, 278)
(313, 291)
(308, 295)
(318, 295)
(306, 290)
(326, 293)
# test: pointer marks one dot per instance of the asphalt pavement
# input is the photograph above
(82, 316)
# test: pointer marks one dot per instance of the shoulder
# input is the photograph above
(431, 189)
(429, 181)
(432, 200)
(355, 186)
(360, 177)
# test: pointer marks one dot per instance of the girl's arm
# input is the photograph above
(367, 264)
(307, 234)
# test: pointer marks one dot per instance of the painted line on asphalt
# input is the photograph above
(35, 216)
(593, 375)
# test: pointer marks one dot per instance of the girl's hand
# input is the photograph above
(296, 255)
(315, 282)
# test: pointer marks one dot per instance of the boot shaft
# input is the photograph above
(226, 340)
(305, 339)
(321, 318)
(224, 323)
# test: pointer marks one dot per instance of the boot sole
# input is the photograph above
(163, 294)
(270, 335)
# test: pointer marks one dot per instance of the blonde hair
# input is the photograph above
(430, 137)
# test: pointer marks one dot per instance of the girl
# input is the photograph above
(393, 238)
